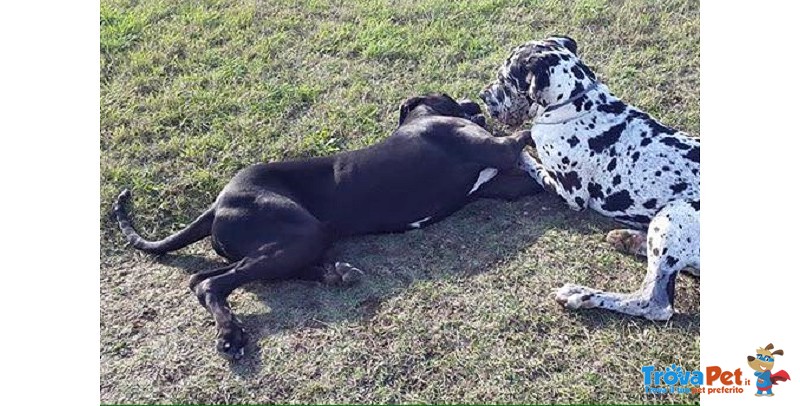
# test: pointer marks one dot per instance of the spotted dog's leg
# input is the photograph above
(635, 242)
(538, 172)
(668, 251)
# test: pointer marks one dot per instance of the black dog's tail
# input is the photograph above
(199, 229)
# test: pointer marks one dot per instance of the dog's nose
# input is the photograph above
(750, 357)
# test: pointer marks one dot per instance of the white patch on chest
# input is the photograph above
(418, 223)
(483, 177)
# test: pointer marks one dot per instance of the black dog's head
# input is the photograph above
(440, 104)
(536, 74)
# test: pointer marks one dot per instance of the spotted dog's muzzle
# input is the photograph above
(506, 105)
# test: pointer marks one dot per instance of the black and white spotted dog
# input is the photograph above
(595, 151)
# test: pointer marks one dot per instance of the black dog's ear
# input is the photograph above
(478, 119)
(470, 107)
(407, 106)
(566, 42)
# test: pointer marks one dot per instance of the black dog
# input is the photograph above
(275, 221)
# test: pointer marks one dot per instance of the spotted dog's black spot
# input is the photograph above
(618, 201)
(588, 106)
(665, 168)
(635, 156)
(616, 107)
(674, 142)
(569, 181)
(636, 218)
(645, 142)
(573, 141)
(603, 97)
(617, 180)
(606, 139)
(595, 190)
(679, 187)
(578, 72)
(671, 261)
(579, 201)
(655, 251)
(693, 154)
(612, 165)
(695, 204)
(655, 126)
(650, 204)
(565, 161)
(576, 90)
(658, 173)
(671, 288)
(588, 72)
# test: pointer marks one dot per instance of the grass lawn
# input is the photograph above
(456, 312)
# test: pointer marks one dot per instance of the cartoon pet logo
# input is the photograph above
(762, 363)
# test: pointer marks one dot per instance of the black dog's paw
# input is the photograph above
(231, 341)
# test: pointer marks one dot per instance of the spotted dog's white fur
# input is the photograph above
(598, 152)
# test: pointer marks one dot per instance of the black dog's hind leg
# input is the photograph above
(194, 232)
(287, 257)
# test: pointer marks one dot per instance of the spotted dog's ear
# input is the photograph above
(777, 352)
(407, 106)
(530, 74)
(566, 42)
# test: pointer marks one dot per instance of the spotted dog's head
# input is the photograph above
(764, 359)
(440, 104)
(537, 74)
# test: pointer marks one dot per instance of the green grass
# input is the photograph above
(457, 312)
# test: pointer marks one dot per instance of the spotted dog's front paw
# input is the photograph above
(576, 296)
(656, 313)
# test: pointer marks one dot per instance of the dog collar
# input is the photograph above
(566, 102)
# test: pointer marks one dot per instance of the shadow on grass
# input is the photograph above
(475, 240)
